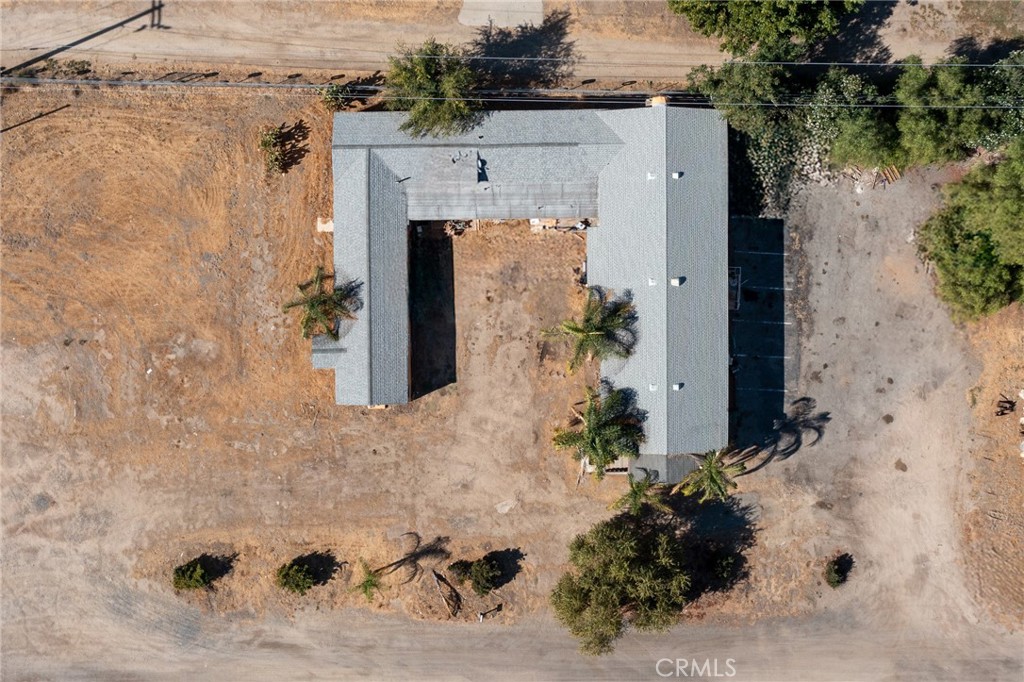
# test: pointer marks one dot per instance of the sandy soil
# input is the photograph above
(156, 404)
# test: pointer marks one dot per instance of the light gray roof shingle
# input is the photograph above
(617, 165)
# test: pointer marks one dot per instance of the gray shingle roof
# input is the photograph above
(616, 165)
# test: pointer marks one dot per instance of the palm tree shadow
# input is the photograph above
(527, 55)
(436, 549)
(788, 434)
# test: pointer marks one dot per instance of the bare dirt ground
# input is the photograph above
(156, 404)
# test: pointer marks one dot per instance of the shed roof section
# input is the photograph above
(617, 165)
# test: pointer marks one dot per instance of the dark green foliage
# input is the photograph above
(272, 146)
(853, 134)
(746, 24)
(931, 131)
(745, 93)
(607, 329)
(609, 428)
(483, 574)
(1004, 85)
(434, 83)
(295, 577)
(323, 308)
(460, 570)
(867, 140)
(623, 571)
(191, 576)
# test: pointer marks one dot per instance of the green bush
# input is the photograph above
(370, 583)
(191, 576)
(622, 568)
(295, 577)
(334, 96)
(931, 131)
(460, 570)
(434, 83)
(744, 25)
(992, 198)
(272, 146)
(483, 574)
(832, 576)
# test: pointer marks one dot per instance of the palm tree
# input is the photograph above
(322, 309)
(606, 329)
(713, 479)
(645, 491)
(610, 428)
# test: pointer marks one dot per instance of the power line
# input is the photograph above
(519, 96)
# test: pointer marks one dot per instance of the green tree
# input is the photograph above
(370, 583)
(272, 146)
(607, 329)
(322, 308)
(624, 571)
(434, 83)
(713, 479)
(483, 574)
(1003, 86)
(944, 113)
(749, 95)
(746, 24)
(609, 428)
(191, 576)
(295, 577)
(643, 492)
(972, 278)
(992, 199)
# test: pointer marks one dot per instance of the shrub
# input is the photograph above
(370, 582)
(460, 570)
(272, 146)
(483, 574)
(622, 569)
(295, 577)
(334, 96)
(433, 83)
(837, 570)
(191, 576)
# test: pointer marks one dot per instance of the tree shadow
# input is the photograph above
(843, 563)
(788, 435)
(293, 147)
(858, 36)
(321, 566)
(435, 549)
(989, 53)
(527, 55)
(216, 566)
(510, 561)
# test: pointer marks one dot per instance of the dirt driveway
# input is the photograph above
(157, 404)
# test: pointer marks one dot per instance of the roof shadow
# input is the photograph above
(432, 335)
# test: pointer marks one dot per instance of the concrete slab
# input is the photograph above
(504, 13)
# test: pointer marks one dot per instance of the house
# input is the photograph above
(656, 178)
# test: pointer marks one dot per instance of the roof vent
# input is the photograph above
(676, 281)
(651, 281)
(677, 387)
(677, 174)
(652, 387)
(652, 176)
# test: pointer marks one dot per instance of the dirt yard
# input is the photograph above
(157, 404)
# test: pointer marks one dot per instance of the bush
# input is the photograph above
(837, 570)
(931, 131)
(460, 570)
(334, 96)
(191, 576)
(272, 146)
(434, 83)
(295, 577)
(623, 569)
(744, 25)
(483, 574)
(370, 582)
